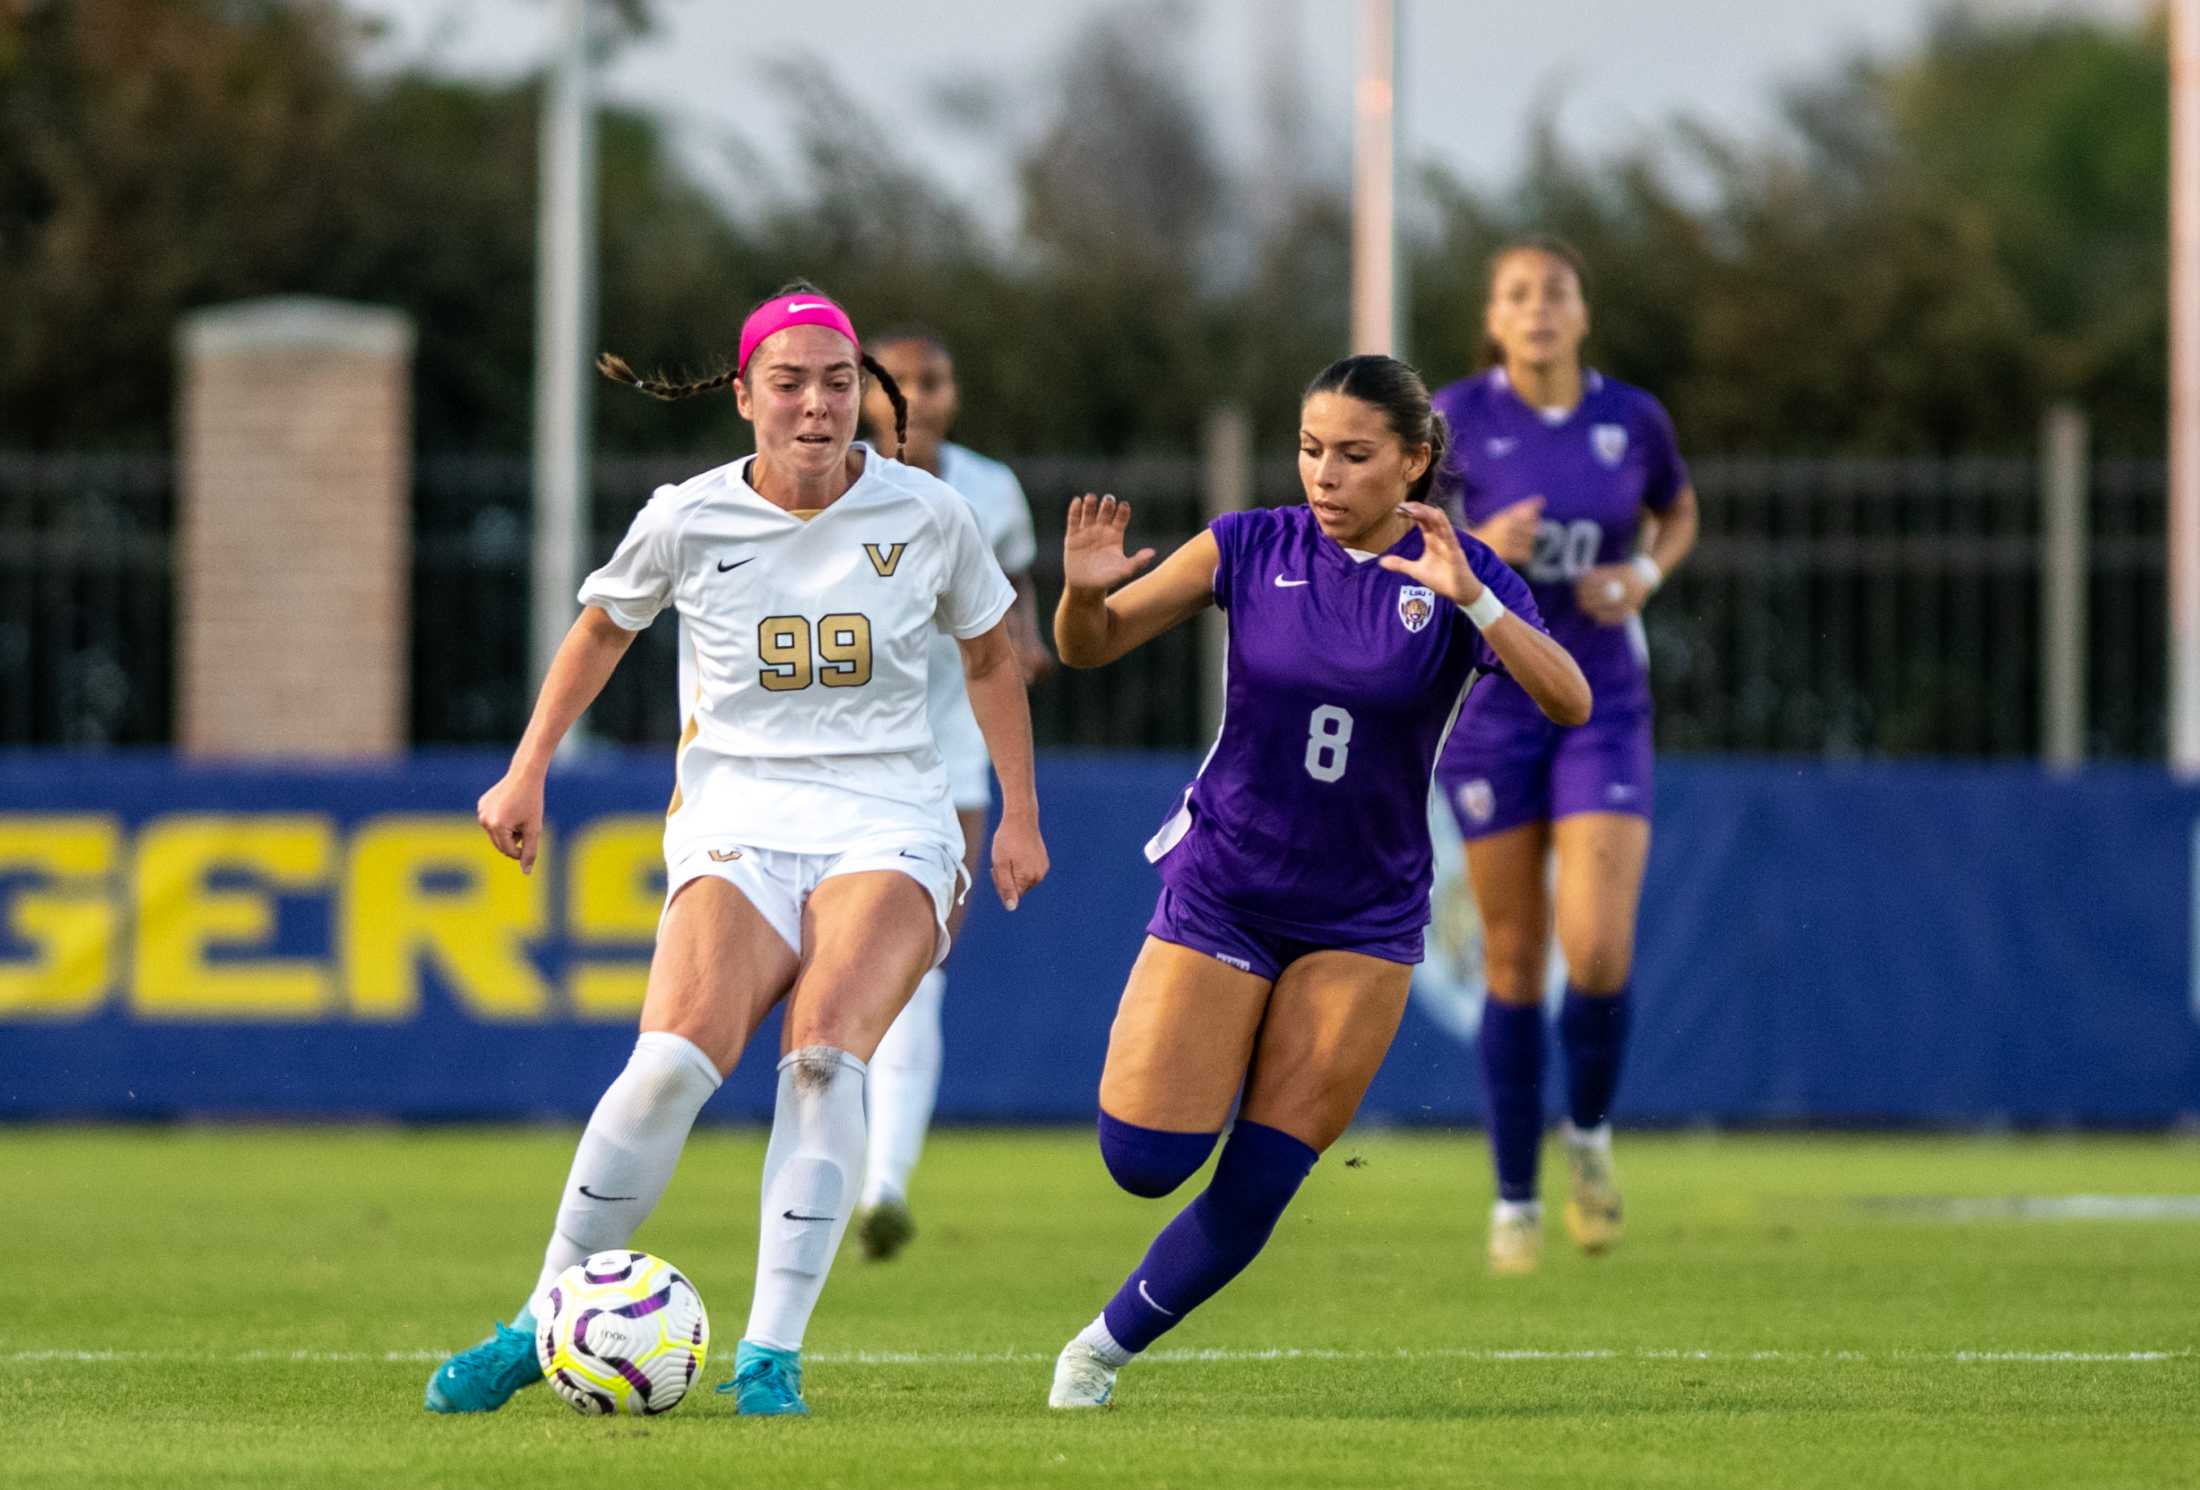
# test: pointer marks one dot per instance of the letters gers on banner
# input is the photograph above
(281, 916)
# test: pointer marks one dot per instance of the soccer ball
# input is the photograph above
(622, 1332)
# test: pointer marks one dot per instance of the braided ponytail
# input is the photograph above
(618, 370)
(665, 391)
(892, 390)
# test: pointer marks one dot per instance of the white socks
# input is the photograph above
(811, 1168)
(1598, 1138)
(626, 1157)
(1102, 1344)
(904, 1083)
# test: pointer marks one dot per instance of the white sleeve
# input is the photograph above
(636, 582)
(974, 594)
(1015, 546)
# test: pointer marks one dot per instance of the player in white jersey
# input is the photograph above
(905, 1072)
(811, 849)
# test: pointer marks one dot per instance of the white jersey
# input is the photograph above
(807, 642)
(1004, 520)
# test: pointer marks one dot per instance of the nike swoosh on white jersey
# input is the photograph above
(1287, 584)
(796, 305)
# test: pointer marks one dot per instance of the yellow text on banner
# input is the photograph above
(67, 915)
(183, 918)
(476, 928)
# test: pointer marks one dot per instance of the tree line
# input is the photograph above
(1931, 249)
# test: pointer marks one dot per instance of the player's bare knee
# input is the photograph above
(719, 1042)
(1600, 966)
(1512, 959)
(1515, 972)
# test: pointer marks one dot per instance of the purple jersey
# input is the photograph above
(1595, 470)
(1310, 816)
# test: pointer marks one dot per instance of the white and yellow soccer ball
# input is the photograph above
(622, 1332)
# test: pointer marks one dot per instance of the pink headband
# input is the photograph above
(775, 316)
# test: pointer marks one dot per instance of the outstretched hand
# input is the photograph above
(1443, 564)
(1092, 548)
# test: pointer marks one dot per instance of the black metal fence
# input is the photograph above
(1844, 607)
(87, 600)
(1854, 607)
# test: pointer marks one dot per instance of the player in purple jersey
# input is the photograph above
(1575, 479)
(1295, 869)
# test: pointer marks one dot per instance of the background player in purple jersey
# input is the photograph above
(1575, 479)
(1295, 869)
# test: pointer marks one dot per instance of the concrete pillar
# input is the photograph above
(293, 581)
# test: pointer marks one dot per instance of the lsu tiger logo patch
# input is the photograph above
(1416, 606)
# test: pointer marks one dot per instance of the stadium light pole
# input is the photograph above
(2184, 388)
(1374, 181)
(565, 293)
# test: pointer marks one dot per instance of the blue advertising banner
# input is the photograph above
(1827, 944)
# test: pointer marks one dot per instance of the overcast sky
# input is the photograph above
(1473, 70)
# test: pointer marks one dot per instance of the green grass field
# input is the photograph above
(261, 1307)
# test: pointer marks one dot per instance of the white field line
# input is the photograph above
(2032, 1207)
(1170, 1357)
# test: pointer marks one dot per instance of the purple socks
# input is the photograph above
(1592, 1032)
(1512, 1074)
(1212, 1239)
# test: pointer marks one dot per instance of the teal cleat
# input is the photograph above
(766, 1383)
(484, 1378)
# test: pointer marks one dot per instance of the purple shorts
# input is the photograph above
(1204, 927)
(1506, 766)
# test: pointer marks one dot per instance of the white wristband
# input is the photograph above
(1487, 610)
(1651, 574)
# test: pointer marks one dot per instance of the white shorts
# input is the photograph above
(963, 753)
(778, 882)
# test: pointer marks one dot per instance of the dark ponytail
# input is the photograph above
(892, 390)
(1558, 248)
(616, 369)
(1390, 385)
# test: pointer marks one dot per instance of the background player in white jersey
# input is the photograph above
(811, 851)
(905, 1072)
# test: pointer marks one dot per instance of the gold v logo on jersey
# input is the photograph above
(884, 559)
